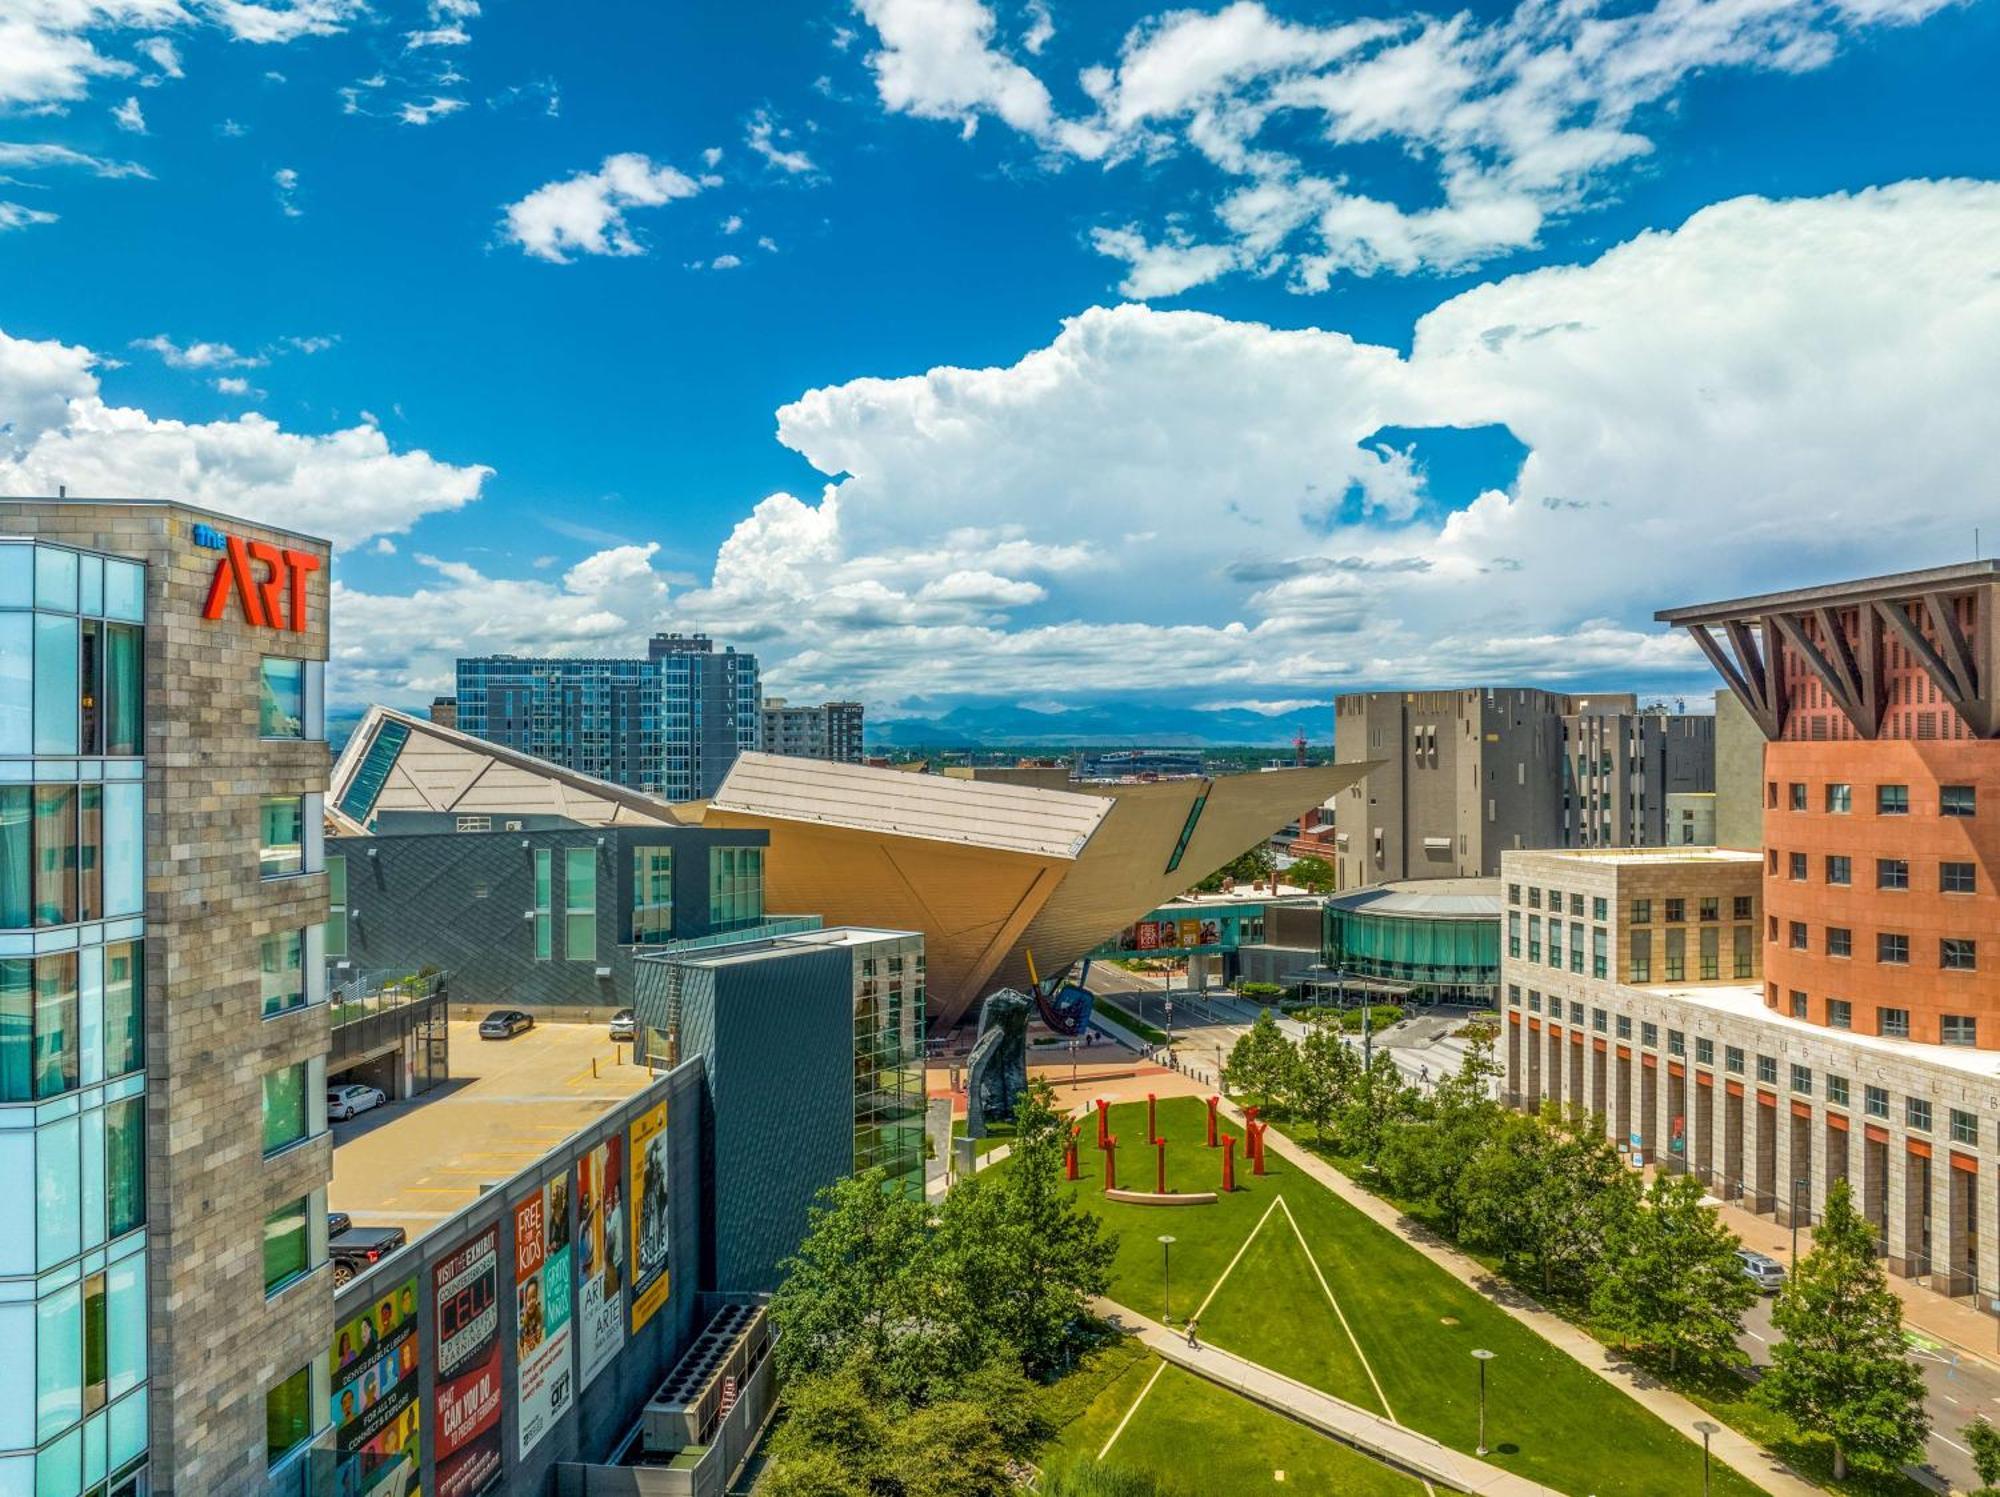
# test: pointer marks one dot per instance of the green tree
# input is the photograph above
(950, 1449)
(1545, 1197)
(1245, 868)
(831, 1441)
(1261, 1063)
(1427, 1150)
(1314, 875)
(1378, 1099)
(866, 1285)
(1983, 1440)
(1022, 1249)
(1324, 1078)
(1842, 1370)
(1670, 1280)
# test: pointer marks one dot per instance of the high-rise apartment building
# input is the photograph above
(1462, 776)
(670, 724)
(829, 731)
(164, 1303)
(1825, 1006)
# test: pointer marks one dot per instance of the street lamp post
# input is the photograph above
(1798, 1188)
(1706, 1428)
(1483, 1356)
(1170, 1022)
(1074, 1042)
(1167, 1278)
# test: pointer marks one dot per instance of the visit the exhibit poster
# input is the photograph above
(544, 1386)
(466, 1286)
(375, 1413)
(649, 1215)
(600, 1249)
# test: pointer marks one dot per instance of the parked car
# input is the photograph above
(355, 1250)
(343, 1102)
(504, 1024)
(623, 1026)
(1768, 1274)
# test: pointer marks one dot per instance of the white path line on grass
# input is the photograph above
(1352, 1339)
(1131, 1411)
(1202, 1308)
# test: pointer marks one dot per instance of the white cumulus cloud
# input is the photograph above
(585, 214)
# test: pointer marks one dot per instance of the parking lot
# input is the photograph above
(410, 1164)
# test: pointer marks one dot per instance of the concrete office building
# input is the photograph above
(850, 1005)
(162, 1055)
(670, 724)
(1466, 775)
(831, 730)
(444, 711)
(1852, 1031)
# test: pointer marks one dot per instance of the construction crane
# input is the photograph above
(1299, 747)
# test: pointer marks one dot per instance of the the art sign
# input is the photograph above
(466, 1287)
(650, 1210)
(601, 1255)
(375, 1413)
(544, 1385)
(274, 598)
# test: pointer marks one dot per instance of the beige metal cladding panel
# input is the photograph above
(1123, 871)
(963, 899)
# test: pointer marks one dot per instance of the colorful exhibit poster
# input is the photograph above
(375, 1410)
(466, 1287)
(600, 1247)
(544, 1386)
(650, 1211)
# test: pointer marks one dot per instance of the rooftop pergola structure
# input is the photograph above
(1944, 617)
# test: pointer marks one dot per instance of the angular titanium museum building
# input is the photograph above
(163, 1143)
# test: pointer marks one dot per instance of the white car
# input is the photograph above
(343, 1102)
(1767, 1273)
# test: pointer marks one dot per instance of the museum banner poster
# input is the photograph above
(544, 1385)
(649, 1213)
(466, 1289)
(376, 1409)
(600, 1248)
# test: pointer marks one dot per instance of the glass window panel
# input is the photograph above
(284, 1107)
(124, 689)
(17, 679)
(283, 849)
(124, 590)
(55, 579)
(336, 915)
(56, 667)
(282, 960)
(58, 1362)
(125, 1325)
(93, 1344)
(59, 1467)
(90, 1155)
(55, 854)
(281, 709)
(56, 1015)
(17, 1379)
(124, 1008)
(127, 1428)
(90, 688)
(125, 1165)
(17, 576)
(124, 848)
(16, 855)
(580, 900)
(284, 1244)
(544, 894)
(89, 850)
(652, 894)
(58, 1211)
(17, 1028)
(288, 1416)
(90, 579)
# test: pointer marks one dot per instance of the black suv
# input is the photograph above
(355, 1250)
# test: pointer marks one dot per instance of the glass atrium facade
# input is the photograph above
(73, 1318)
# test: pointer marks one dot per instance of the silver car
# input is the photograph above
(1768, 1274)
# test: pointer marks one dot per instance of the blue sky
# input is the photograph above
(947, 350)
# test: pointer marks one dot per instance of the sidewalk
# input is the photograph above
(1967, 1330)
(1404, 1448)
(1731, 1448)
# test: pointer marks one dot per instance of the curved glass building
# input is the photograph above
(1441, 937)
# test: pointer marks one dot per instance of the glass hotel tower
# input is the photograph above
(164, 1304)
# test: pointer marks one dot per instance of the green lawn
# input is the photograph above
(1209, 1440)
(1548, 1417)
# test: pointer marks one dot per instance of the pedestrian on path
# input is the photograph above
(1193, 1344)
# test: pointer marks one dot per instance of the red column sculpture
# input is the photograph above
(1211, 1120)
(1257, 1151)
(1152, 1115)
(1161, 1145)
(1069, 1158)
(1110, 1164)
(1228, 1163)
(1103, 1123)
